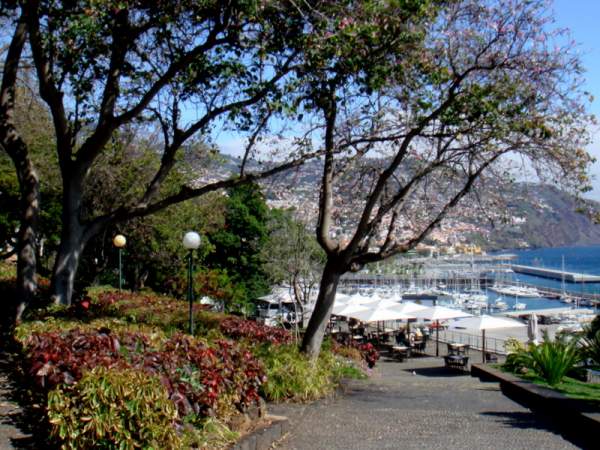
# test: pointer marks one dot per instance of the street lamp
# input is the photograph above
(119, 241)
(191, 241)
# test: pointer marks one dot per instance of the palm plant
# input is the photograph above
(590, 346)
(552, 359)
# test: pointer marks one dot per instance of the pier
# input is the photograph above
(554, 274)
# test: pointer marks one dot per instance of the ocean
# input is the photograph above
(576, 259)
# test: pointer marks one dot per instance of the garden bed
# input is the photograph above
(205, 386)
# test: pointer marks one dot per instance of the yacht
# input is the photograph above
(516, 291)
(519, 306)
(501, 305)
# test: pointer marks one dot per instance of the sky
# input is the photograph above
(582, 18)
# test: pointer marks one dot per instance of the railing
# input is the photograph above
(493, 345)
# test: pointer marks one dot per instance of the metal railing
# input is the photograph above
(493, 345)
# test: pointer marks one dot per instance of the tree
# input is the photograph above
(238, 244)
(486, 82)
(293, 256)
(13, 144)
(186, 66)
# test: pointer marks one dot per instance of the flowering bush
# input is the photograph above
(370, 354)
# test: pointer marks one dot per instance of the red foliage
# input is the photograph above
(370, 354)
(368, 351)
(238, 328)
(195, 375)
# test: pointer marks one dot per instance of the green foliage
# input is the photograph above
(35, 126)
(292, 255)
(551, 360)
(210, 433)
(237, 246)
(569, 386)
(113, 409)
(591, 346)
(291, 375)
(513, 345)
(593, 327)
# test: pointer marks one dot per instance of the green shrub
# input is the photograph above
(108, 408)
(292, 376)
(591, 347)
(551, 360)
(513, 345)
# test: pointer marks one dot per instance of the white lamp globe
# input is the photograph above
(191, 240)
(119, 241)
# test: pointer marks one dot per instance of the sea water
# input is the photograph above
(576, 259)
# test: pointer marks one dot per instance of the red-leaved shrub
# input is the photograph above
(200, 379)
(256, 333)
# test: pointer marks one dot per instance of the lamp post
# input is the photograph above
(191, 241)
(119, 241)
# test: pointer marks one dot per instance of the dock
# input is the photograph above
(548, 312)
(554, 274)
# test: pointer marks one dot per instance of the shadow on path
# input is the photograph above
(539, 421)
(438, 372)
(22, 419)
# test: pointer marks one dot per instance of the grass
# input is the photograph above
(570, 387)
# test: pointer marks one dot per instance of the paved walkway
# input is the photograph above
(417, 404)
(11, 414)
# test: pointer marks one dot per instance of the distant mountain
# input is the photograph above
(550, 220)
(535, 215)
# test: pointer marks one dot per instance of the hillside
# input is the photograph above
(533, 216)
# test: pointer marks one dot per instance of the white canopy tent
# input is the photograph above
(486, 322)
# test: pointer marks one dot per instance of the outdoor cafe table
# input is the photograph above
(400, 351)
(457, 348)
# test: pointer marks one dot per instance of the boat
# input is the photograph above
(516, 291)
(501, 305)
(519, 306)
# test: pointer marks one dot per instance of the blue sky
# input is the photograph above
(582, 18)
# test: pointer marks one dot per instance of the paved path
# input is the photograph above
(10, 412)
(417, 404)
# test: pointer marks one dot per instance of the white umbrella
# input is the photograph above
(344, 310)
(359, 299)
(438, 313)
(409, 308)
(378, 314)
(341, 299)
(532, 329)
(486, 322)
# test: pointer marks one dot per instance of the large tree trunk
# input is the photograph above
(315, 331)
(72, 243)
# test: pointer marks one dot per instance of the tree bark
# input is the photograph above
(12, 142)
(27, 243)
(73, 240)
(315, 331)
(72, 245)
